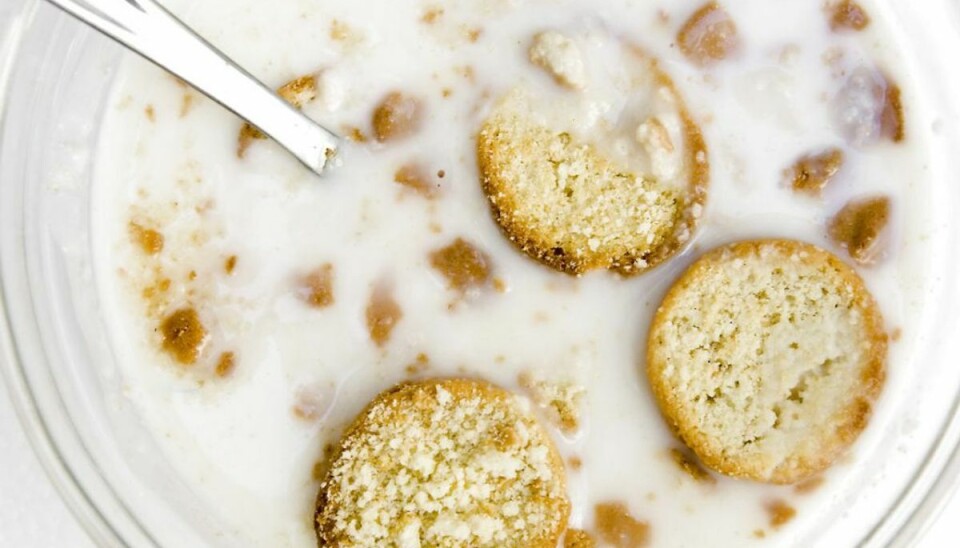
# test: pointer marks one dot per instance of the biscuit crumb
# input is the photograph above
(419, 365)
(780, 513)
(344, 34)
(688, 464)
(382, 313)
(858, 228)
(451, 462)
(577, 538)
(559, 56)
(561, 399)
(617, 527)
(183, 335)
(230, 265)
(309, 404)
(759, 533)
(149, 240)
(414, 176)
(186, 103)
(397, 116)
(665, 159)
(150, 113)
(225, 364)
(813, 172)
(576, 463)
(808, 486)
(710, 35)
(316, 288)
(462, 264)
(432, 15)
(847, 15)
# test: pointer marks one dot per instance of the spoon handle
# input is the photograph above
(148, 29)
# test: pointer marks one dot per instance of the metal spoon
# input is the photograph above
(147, 28)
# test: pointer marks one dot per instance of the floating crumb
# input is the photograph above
(355, 134)
(309, 404)
(344, 34)
(149, 240)
(192, 275)
(398, 115)
(414, 176)
(316, 288)
(760, 533)
(230, 265)
(446, 93)
(559, 56)
(561, 399)
(847, 15)
(858, 228)
(808, 486)
(891, 118)
(463, 265)
(709, 35)
(687, 463)
(869, 107)
(419, 365)
(473, 34)
(812, 172)
(666, 161)
(383, 313)
(441, 174)
(297, 92)
(780, 513)
(183, 335)
(575, 462)
(578, 538)
(225, 364)
(150, 113)
(617, 527)
(896, 334)
(432, 15)
(499, 285)
(186, 103)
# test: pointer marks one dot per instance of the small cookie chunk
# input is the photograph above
(559, 56)
(766, 358)
(397, 116)
(567, 204)
(561, 399)
(812, 172)
(859, 226)
(451, 462)
(709, 35)
(847, 15)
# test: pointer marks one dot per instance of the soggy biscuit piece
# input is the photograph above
(451, 462)
(766, 358)
(568, 204)
(559, 56)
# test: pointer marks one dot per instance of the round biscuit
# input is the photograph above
(766, 357)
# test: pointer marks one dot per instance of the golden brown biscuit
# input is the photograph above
(766, 357)
(451, 462)
(565, 203)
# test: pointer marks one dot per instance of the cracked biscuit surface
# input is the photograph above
(766, 357)
(450, 462)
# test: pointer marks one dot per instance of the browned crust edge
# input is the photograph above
(850, 421)
(460, 388)
(699, 176)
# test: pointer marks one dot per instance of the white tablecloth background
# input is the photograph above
(32, 515)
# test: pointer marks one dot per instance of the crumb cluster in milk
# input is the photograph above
(257, 310)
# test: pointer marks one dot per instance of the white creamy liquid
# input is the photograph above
(237, 440)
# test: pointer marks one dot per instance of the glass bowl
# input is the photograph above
(64, 381)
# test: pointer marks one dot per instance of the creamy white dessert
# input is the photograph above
(316, 294)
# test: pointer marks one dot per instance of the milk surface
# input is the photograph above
(247, 442)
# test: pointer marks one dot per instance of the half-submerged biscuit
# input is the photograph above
(766, 358)
(622, 198)
(451, 462)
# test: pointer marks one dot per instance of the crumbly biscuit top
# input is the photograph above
(767, 356)
(444, 463)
